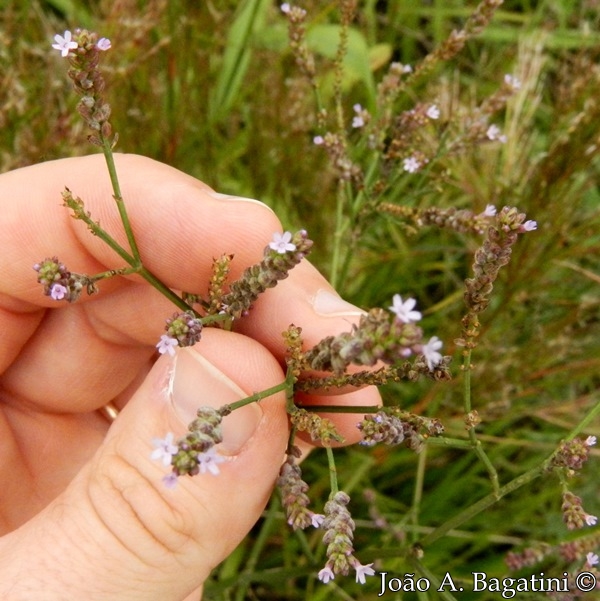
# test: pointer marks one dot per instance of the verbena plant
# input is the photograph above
(416, 126)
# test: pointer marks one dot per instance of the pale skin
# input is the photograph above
(83, 511)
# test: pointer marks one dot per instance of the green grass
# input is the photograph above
(213, 89)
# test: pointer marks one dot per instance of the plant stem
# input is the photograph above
(475, 443)
(484, 503)
(258, 396)
(114, 180)
(332, 471)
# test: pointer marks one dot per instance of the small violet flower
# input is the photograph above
(430, 352)
(411, 165)
(512, 81)
(590, 520)
(490, 211)
(285, 7)
(316, 520)
(164, 449)
(318, 140)
(433, 112)
(64, 43)
(529, 226)
(282, 242)
(493, 133)
(170, 480)
(590, 441)
(363, 571)
(358, 120)
(592, 559)
(58, 291)
(404, 309)
(209, 460)
(326, 574)
(103, 44)
(167, 344)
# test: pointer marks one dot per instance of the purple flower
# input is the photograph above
(167, 344)
(103, 44)
(490, 211)
(164, 449)
(590, 441)
(318, 140)
(493, 133)
(64, 43)
(591, 559)
(433, 112)
(285, 7)
(411, 165)
(170, 480)
(512, 81)
(404, 309)
(209, 460)
(430, 352)
(58, 291)
(363, 571)
(326, 574)
(590, 520)
(529, 226)
(358, 120)
(317, 519)
(282, 243)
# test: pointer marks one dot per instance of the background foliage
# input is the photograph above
(213, 89)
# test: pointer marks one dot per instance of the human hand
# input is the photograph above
(83, 512)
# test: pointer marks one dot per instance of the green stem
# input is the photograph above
(418, 492)
(340, 228)
(476, 444)
(258, 396)
(484, 503)
(114, 180)
(340, 408)
(332, 471)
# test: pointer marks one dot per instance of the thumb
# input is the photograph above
(118, 531)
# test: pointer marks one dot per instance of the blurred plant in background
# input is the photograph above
(385, 132)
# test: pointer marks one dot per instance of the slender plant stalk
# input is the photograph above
(118, 196)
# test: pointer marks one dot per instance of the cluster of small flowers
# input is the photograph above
(574, 550)
(183, 329)
(59, 283)
(459, 220)
(293, 494)
(572, 454)
(376, 338)
(406, 139)
(493, 254)
(528, 557)
(195, 453)
(319, 428)
(389, 87)
(361, 116)
(381, 428)
(83, 51)
(335, 146)
(392, 426)
(339, 527)
(574, 515)
(297, 34)
(283, 253)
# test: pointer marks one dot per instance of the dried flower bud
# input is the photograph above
(293, 495)
(264, 275)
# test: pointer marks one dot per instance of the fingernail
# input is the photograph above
(220, 196)
(195, 382)
(329, 304)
